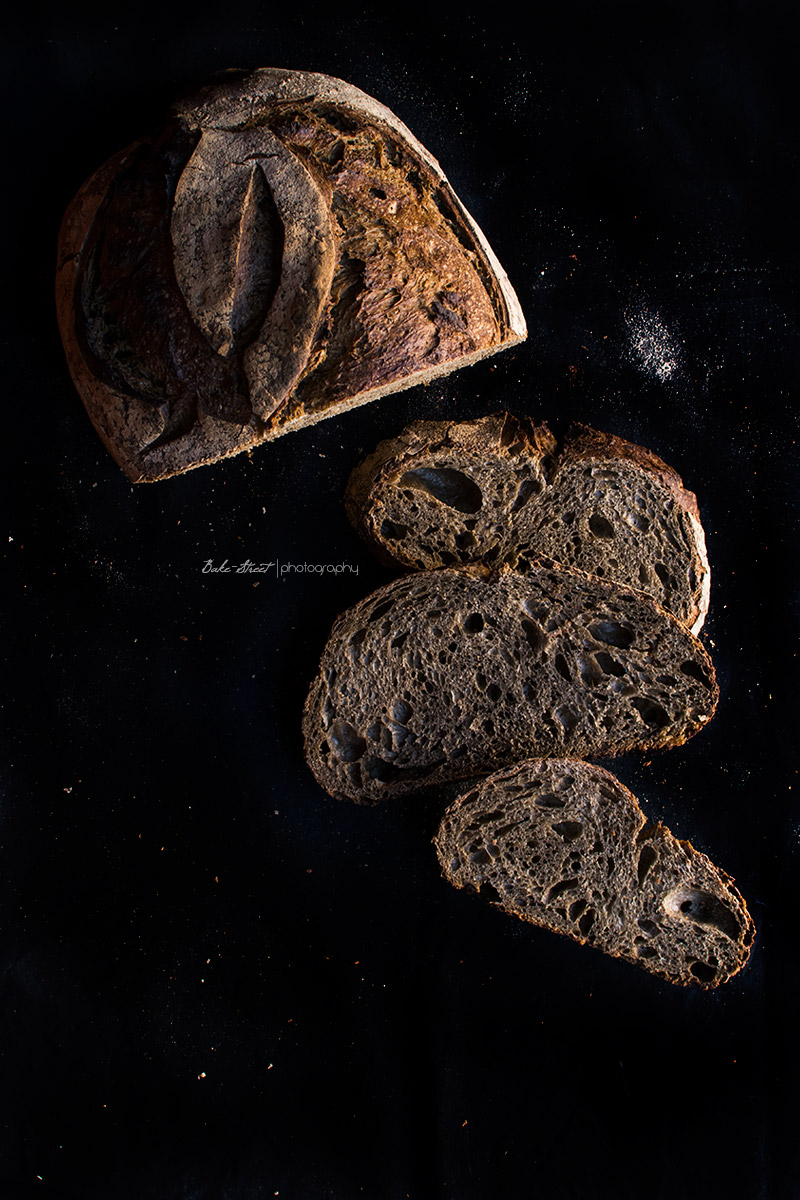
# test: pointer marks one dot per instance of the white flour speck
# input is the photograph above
(652, 343)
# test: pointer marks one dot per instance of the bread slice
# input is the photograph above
(500, 489)
(449, 674)
(564, 845)
(281, 250)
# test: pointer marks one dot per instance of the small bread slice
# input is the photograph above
(563, 844)
(449, 674)
(500, 489)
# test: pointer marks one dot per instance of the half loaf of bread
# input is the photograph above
(500, 489)
(449, 674)
(283, 248)
(564, 845)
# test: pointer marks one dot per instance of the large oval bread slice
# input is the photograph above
(565, 845)
(501, 489)
(448, 674)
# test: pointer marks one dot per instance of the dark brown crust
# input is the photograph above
(465, 307)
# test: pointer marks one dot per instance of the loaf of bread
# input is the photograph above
(454, 673)
(500, 489)
(282, 249)
(564, 845)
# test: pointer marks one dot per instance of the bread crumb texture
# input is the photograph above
(564, 845)
(451, 674)
(500, 489)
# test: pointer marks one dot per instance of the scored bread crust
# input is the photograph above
(225, 141)
(564, 845)
(449, 674)
(489, 490)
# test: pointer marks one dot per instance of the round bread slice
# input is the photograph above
(500, 489)
(449, 674)
(564, 845)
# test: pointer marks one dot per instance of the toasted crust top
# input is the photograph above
(244, 312)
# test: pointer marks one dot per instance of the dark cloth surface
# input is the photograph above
(216, 982)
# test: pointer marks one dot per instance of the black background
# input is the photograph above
(217, 983)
